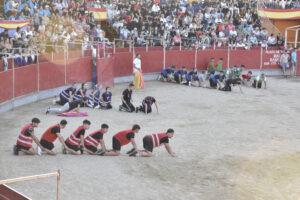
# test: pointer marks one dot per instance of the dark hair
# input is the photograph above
(170, 130)
(148, 98)
(135, 127)
(173, 66)
(212, 58)
(84, 99)
(249, 72)
(82, 84)
(221, 58)
(36, 120)
(131, 85)
(137, 55)
(183, 67)
(86, 122)
(242, 65)
(74, 83)
(104, 126)
(222, 72)
(107, 88)
(63, 122)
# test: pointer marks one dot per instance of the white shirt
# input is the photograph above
(155, 8)
(136, 64)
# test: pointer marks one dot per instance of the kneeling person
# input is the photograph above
(51, 134)
(146, 105)
(26, 137)
(92, 141)
(77, 138)
(155, 140)
(123, 138)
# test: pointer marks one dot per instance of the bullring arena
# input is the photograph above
(228, 145)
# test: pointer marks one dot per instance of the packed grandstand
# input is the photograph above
(55, 24)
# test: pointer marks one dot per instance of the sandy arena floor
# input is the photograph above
(230, 146)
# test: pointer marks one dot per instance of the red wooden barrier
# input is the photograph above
(180, 58)
(51, 75)
(152, 61)
(123, 64)
(79, 70)
(249, 58)
(25, 80)
(203, 58)
(105, 71)
(6, 86)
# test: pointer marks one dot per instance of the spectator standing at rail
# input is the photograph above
(294, 62)
(284, 62)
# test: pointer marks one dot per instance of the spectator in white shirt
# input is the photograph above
(155, 8)
(271, 40)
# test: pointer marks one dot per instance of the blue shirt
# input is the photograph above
(294, 57)
(149, 104)
(181, 72)
(166, 71)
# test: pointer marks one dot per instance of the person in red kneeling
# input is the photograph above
(76, 140)
(122, 138)
(26, 137)
(155, 140)
(51, 134)
(92, 141)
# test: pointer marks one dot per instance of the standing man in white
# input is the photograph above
(138, 80)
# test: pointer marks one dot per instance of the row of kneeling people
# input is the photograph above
(77, 144)
(105, 101)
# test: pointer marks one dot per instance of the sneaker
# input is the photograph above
(47, 110)
(133, 154)
(137, 109)
(54, 101)
(97, 107)
(120, 108)
(100, 152)
(190, 83)
(132, 150)
(39, 151)
(16, 150)
(81, 149)
(63, 149)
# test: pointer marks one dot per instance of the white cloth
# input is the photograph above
(136, 65)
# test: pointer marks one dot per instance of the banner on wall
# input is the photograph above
(12, 26)
(279, 14)
(100, 14)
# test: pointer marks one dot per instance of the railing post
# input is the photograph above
(82, 51)
(261, 60)
(65, 67)
(180, 45)
(196, 55)
(146, 46)
(130, 46)
(13, 81)
(296, 38)
(58, 185)
(285, 40)
(67, 52)
(214, 44)
(164, 51)
(98, 49)
(228, 57)
(38, 74)
(103, 43)
(114, 46)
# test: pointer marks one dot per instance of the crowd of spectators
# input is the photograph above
(200, 23)
(182, 22)
(281, 4)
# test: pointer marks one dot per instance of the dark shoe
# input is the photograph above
(133, 154)
(100, 152)
(16, 150)
(81, 149)
(132, 150)
(47, 111)
(120, 108)
(137, 109)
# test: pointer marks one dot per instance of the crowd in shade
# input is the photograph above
(60, 23)
(281, 4)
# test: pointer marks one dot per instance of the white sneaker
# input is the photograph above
(97, 107)
(54, 101)
(39, 151)
(190, 83)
